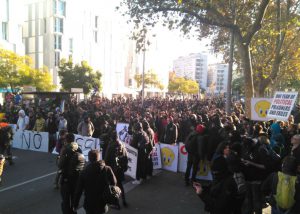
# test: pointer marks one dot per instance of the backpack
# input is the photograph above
(73, 164)
(191, 143)
(285, 191)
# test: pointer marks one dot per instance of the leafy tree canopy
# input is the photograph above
(182, 85)
(78, 76)
(17, 71)
(150, 80)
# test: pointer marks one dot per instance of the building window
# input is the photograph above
(59, 7)
(57, 58)
(57, 42)
(96, 36)
(71, 45)
(59, 25)
(4, 31)
(96, 21)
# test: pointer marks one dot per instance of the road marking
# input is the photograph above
(27, 182)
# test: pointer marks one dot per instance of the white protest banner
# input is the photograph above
(169, 154)
(29, 140)
(282, 105)
(122, 131)
(156, 157)
(132, 161)
(182, 158)
(260, 108)
(86, 144)
(203, 173)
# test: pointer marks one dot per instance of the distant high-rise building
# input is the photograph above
(193, 66)
(217, 78)
(11, 21)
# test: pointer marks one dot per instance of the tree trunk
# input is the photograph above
(244, 51)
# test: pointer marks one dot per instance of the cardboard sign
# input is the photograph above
(156, 157)
(132, 161)
(260, 108)
(29, 140)
(282, 105)
(122, 131)
(169, 156)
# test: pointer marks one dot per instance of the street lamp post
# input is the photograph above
(143, 77)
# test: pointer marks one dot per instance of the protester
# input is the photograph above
(71, 163)
(23, 121)
(39, 125)
(117, 158)
(283, 189)
(92, 181)
(6, 137)
(86, 127)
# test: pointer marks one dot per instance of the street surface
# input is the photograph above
(28, 189)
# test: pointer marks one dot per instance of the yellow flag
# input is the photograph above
(179, 1)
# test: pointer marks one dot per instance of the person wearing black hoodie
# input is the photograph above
(220, 197)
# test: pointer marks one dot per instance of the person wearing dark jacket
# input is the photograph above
(116, 157)
(221, 195)
(140, 141)
(71, 163)
(269, 187)
(195, 146)
(171, 133)
(92, 181)
(149, 148)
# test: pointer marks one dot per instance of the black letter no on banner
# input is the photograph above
(37, 138)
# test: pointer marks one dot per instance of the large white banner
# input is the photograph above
(29, 140)
(260, 108)
(282, 105)
(86, 144)
(169, 155)
(132, 161)
(122, 131)
(156, 157)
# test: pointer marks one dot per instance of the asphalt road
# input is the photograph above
(28, 189)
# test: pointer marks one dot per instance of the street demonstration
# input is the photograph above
(235, 163)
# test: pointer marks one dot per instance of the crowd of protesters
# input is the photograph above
(249, 160)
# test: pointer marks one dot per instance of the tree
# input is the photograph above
(150, 79)
(183, 86)
(17, 71)
(208, 18)
(78, 76)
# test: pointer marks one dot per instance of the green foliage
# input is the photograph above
(17, 71)
(238, 85)
(78, 76)
(183, 86)
(151, 80)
